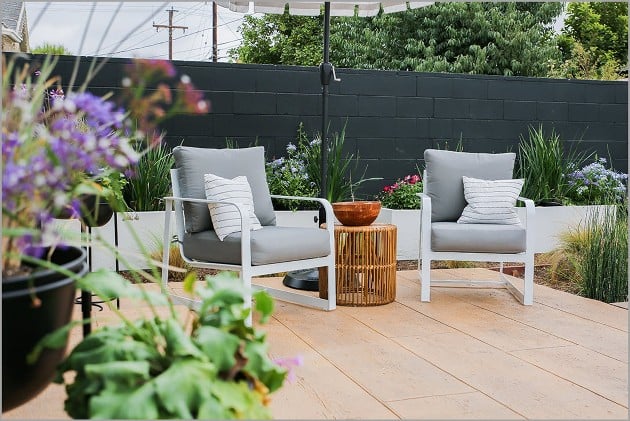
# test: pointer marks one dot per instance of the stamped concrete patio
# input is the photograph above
(469, 354)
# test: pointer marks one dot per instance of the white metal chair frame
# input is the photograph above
(245, 269)
(526, 297)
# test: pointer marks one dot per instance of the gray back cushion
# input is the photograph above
(193, 163)
(444, 172)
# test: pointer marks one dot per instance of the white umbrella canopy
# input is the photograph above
(313, 8)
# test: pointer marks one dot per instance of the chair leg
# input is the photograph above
(528, 285)
(425, 278)
(246, 277)
(332, 286)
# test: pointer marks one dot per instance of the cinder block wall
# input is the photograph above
(392, 117)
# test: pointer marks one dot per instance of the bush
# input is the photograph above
(603, 265)
(151, 180)
(596, 185)
(403, 194)
(289, 176)
(594, 256)
(544, 163)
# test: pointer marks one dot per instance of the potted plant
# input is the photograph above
(401, 207)
(54, 145)
(209, 365)
(50, 142)
(143, 221)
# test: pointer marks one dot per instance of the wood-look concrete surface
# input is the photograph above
(468, 354)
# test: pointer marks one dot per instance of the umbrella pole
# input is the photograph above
(325, 73)
(308, 279)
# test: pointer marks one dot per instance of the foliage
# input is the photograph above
(151, 179)
(341, 168)
(281, 39)
(585, 64)
(175, 260)
(113, 184)
(481, 38)
(403, 194)
(215, 367)
(50, 143)
(52, 49)
(594, 255)
(603, 265)
(155, 93)
(543, 163)
(594, 184)
(288, 176)
(601, 28)
(484, 38)
(299, 174)
(57, 146)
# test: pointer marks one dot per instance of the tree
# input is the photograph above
(280, 39)
(53, 49)
(486, 38)
(594, 41)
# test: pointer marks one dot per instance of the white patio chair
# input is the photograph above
(442, 238)
(271, 249)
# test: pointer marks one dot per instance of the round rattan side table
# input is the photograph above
(365, 263)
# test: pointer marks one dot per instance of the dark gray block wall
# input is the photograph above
(392, 117)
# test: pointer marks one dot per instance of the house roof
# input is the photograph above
(11, 15)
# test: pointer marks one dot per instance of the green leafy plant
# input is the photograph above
(299, 174)
(403, 194)
(113, 184)
(544, 162)
(151, 180)
(342, 168)
(211, 365)
(288, 176)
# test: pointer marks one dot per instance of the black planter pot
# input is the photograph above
(23, 325)
(99, 212)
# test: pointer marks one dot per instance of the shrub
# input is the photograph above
(594, 256)
(603, 265)
(151, 180)
(543, 163)
(299, 174)
(594, 184)
(289, 176)
(403, 194)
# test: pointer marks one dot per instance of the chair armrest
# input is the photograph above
(324, 202)
(330, 216)
(530, 208)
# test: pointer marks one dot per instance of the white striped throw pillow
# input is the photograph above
(226, 219)
(490, 201)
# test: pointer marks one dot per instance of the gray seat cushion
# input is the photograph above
(193, 163)
(477, 238)
(444, 172)
(271, 244)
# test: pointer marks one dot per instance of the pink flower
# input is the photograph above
(290, 363)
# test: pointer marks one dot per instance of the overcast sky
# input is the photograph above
(64, 23)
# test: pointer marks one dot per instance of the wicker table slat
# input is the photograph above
(365, 263)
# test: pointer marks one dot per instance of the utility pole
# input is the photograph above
(215, 51)
(170, 27)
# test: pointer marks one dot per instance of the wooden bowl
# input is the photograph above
(356, 213)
